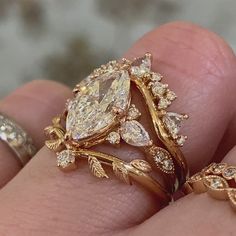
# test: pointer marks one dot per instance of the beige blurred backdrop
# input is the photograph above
(64, 39)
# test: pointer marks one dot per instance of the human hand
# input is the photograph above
(41, 200)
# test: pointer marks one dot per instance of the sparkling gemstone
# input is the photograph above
(167, 164)
(156, 77)
(141, 66)
(216, 183)
(163, 103)
(170, 95)
(229, 172)
(113, 138)
(181, 140)
(172, 122)
(133, 133)
(133, 113)
(65, 159)
(218, 168)
(158, 89)
(92, 108)
(163, 160)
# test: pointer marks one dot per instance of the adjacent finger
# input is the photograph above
(31, 106)
(198, 72)
(196, 214)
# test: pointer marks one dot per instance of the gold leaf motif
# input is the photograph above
(59, 132)
(96, 167)
(121, 172)
(53, 144)
(56, 131)
(56, 121)
(141, 165)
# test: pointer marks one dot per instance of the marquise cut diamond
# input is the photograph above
(92, 108)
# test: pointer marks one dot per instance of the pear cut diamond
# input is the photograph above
(133, 133)
(172, 122)
(141, 66)
(92, 110)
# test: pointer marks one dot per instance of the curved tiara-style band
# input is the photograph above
(17, 139)
(102, 111)
(218, 180)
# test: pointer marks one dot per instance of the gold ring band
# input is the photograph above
(217, 179)
(102, 111)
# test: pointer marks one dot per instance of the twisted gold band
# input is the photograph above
(218, 180)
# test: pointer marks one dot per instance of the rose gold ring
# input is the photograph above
(102, 110)
(218, 180)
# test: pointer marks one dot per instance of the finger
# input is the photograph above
(207, 216)
(198, 73)
(31, 106)
(200, 67)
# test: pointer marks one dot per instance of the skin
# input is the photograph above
(201, 68)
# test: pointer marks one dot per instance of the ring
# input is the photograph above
(17, 139)
(102, 111)
(217, 179)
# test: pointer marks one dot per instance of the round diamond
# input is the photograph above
(167, 164)
(113, 138)
(133, 113)
(65, 159)
(158, 89)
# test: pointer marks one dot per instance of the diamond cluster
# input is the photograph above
(141, 68)
(105, 94)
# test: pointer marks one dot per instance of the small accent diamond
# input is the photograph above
(113, 138)
(163, 160)
(229, 173)
(163, 103)
(66, 160)
(133, 113)
(141, 66)
(170, 95)
(156, 77)
(158, 89)
(181, 140)
(218, 168)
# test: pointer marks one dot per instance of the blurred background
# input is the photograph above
(63, 40)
